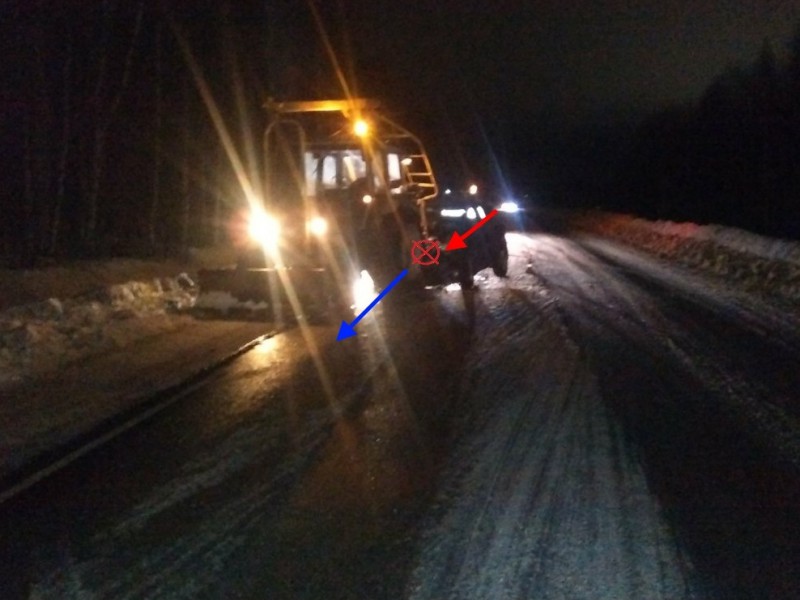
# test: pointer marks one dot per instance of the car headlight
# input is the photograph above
(263, 228)
(317, 226)
(453, 213)
(509, 207)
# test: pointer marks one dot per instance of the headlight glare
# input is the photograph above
(317, 226)
(263, 228)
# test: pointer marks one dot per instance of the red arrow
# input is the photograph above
(457, 241)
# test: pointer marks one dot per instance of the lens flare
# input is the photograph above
(363, 292)
(263, 228)
(361, 128)
(317, 226)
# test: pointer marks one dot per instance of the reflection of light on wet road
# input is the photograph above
(363, 292)
(521, 246)
(268, 346)
(296, 363)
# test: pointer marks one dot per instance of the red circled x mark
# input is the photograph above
(425, 252)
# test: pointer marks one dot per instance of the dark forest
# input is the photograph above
(732, 157)
(109, 147)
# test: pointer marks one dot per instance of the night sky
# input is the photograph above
(497, 63)
(470, 67)
(576, 56)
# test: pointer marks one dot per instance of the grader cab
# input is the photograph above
(344, 194)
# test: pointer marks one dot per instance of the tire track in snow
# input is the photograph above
(672, 356)
(544, 498)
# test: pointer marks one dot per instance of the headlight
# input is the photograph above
(453, 213)
(317, 226)
(263, 228)
(509, 207)
(471, 214)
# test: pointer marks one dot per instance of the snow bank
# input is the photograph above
(42, 336)
(225, 303)
(754, 262)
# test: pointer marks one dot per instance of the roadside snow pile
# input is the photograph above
(43, 336)
(755, 262)
(225, 303)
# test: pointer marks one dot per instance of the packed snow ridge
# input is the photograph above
(753, 262)
(40, 337)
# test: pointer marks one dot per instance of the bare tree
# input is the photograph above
(216, 214)
(155, 199)
(185, 187)
(105, 111)
(26, 249)
(39, 121)
(66, 126)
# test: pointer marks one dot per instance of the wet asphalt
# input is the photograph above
(309, 468)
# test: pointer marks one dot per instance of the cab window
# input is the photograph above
(393, 164)
(354, 167)
(328, 176)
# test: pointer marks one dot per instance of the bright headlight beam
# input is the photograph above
(509, 207)
(263, 228)
(317, 226)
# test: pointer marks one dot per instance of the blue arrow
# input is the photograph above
(349, 329)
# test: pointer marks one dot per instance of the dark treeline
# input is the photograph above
(108, 148)
(733, 157)
(730, 157)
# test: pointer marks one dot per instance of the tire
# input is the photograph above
(500, 261)
(415, 270)
(328, 306)
(466, 277)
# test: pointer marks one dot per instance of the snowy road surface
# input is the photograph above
(597, 425)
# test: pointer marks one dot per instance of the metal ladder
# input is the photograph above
(419, 174)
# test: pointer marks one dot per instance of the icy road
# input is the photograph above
(598, 425)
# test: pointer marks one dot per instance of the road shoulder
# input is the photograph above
(45, 413)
